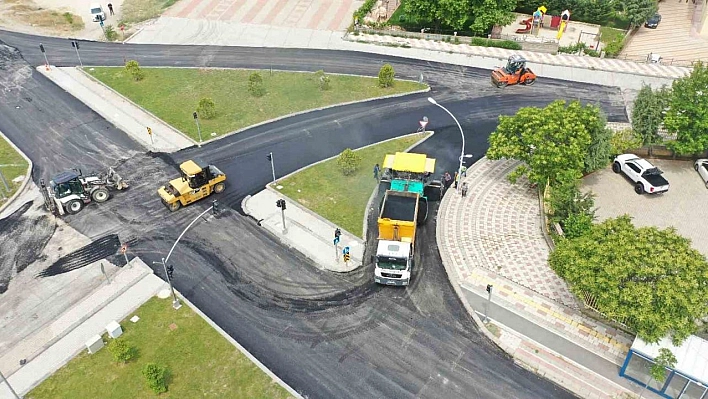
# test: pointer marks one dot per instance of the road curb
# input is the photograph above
(28, 175)
(241, 349)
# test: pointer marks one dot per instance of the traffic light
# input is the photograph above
(280, 204)
(195, 115)
(75, 44)
(170, 271)
(337, 232)
(215, 207)
(270, 156)
(489, 288)
(41, 47)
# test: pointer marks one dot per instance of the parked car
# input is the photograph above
(645, 176)
(653, 22)
(701, 166)
(97, 13)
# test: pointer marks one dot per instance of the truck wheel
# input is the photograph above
(74, 206)
(219, 187)
(616, 167)
(502, 84)
(639, 189)
(100, 195)
(174, 206)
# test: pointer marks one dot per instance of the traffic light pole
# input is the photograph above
(282, 213)
(272, 168)
(489, 302)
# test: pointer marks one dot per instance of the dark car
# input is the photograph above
(653, 22)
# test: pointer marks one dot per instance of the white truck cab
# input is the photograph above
(97, 13)
(393, 263)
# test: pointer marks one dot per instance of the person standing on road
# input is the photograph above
(376, 171)
(464, 189)
(457, 179)
(110, 8)
(447, 180)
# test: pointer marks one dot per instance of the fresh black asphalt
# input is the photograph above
(327, 335)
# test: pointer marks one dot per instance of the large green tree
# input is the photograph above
(639, 11)
(688, 112)
(648, 113)
(488, 13)
(452, 13)
(548, 140)
(651, 278)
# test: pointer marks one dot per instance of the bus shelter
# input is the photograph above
(687, 380)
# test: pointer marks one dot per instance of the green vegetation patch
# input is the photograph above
(173, 94)
(134, 11)
(16, 166)
(342, 200)
(200, 363)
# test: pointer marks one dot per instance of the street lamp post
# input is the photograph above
(175, 301)
(462, 153)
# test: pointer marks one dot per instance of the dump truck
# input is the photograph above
(412, 172)
(71, 190)
(195, 183)
(395, 252)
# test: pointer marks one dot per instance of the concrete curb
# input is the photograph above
(241, 349)
(365, 227)
(175, 130)
(28, 175)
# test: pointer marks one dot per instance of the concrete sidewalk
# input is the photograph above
(306, 232)
(120, 111)
(127, 291)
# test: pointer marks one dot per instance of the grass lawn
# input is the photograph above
(201, 363)
(134, 11)
(338, 198)
(8, 156)
(172, 94)
(608, 35)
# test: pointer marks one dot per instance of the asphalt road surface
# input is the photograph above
(327, 335)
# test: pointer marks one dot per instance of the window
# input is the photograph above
(634, 167)
(693, 391)
(392, 263)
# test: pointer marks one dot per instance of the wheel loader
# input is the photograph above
(70, 191)
(194, 184)
(514, 72)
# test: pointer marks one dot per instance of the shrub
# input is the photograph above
(121, 351)
(255, 85)
(364, 10)
(134, 70)
(156, 377)
(507, 44)
(576, 225)
(348, 162)
(111, 34)
(206, 108)
(386, 75)
(566, 199)
(613, 48)
(322, 80)
(624, 140)
(572, 49)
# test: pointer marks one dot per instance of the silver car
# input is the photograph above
(701, 166)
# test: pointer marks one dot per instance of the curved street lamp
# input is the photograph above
(462, 153)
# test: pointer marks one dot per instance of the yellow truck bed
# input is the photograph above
(397, 220)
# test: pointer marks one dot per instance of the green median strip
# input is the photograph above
(173, 94)
(341, 199)
(200, 363)
(12, 165)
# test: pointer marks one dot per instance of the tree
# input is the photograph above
(133, 68)
(566, 199)
(600, 148)
(156, 377)
(206, 108)
(639, 11)
(648, 277)
(386, 75)
(121, 350)
(323, 80)
(548, 140)
(657, 371)
(348, 162)
(255, 84)
(687, 115)
(453, 13)
(488, 13)
(648, 113)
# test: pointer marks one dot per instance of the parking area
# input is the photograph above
(674, 39)
(684, 206)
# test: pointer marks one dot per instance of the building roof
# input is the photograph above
(691, 356)
(409, 162)
(190, 168)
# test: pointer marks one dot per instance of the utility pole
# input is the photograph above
(199, 129)
(281, 204)
(272, 166)
(9, 386)
(100, 22)
(75, 45)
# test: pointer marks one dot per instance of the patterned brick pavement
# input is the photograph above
(493, 236)
(603, 64)
(329, 15)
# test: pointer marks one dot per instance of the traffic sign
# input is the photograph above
(423, 123)
(100, 21)
(124, 248)
(149, 130)
(345, 251)
(336, 240)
